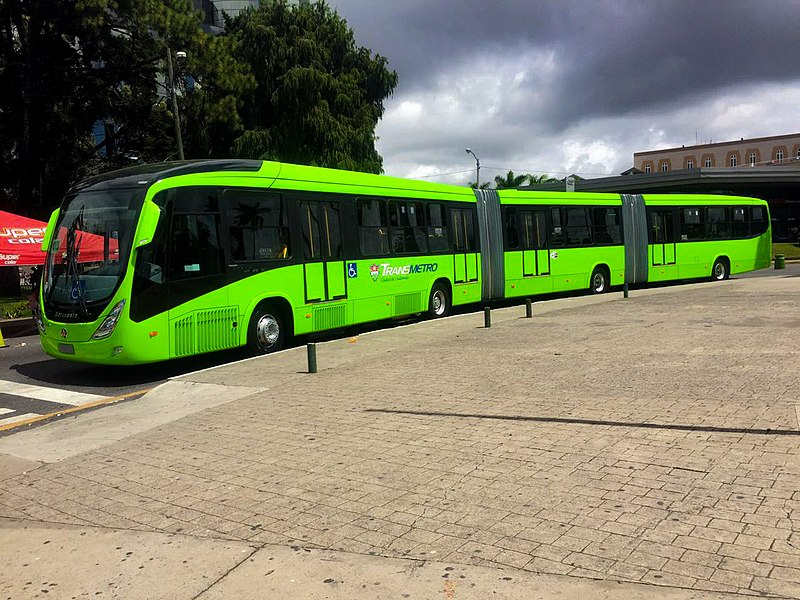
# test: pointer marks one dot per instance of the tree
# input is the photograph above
(67, 66)
(509, 181)
(486, 185)
(539, 179)
(318, 97)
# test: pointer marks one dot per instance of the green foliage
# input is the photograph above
(14, 309)
(318, 97)
(486, 185)
(543, 178)
(510, 180)
(285, 82)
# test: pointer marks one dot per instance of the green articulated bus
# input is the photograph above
(171, 260)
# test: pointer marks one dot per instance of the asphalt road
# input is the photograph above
(32, 383)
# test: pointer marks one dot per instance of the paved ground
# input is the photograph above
(653, 440)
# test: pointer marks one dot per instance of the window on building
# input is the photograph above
(732, 160)
(798, 153)
(690, 164)
(664, 167)
(647, 168)
(779, 156)
(707, 162)
(752, 159)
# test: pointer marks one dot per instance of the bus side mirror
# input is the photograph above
(48, 232)
(148, 221)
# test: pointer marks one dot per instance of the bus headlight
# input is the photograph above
(108, 324)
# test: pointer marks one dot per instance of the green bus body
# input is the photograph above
(180, 274)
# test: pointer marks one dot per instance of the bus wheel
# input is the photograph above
(599, 281)
(439, 303)
(720, 270)
(267, 332)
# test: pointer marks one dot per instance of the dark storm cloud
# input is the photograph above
(612, 58)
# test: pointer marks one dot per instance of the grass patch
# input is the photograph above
(14, 307)
(788, 250)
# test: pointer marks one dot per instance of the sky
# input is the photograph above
(574, 86)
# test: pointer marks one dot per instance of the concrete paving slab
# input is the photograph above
(50, 562)
(91, 430)
(281, 572)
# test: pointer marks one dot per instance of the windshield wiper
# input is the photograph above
(73, 247)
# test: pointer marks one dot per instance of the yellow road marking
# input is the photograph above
(72, 409)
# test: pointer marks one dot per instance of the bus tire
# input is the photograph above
(439, 302)
(267, 330)
(599, 281)
(720, 271)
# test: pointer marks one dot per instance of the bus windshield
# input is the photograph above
(88, 253)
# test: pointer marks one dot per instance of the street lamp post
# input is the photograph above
(477, 169)
(171, 75)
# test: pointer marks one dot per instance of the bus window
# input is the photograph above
(259, 225)
(311, 236)
(149, 296)
(758, 220)
(333, 234)
(557, 236)
(717, 225)
(408, 235)
(373, 230)
(692, 226)
(534, 229)
(739, 227)
(437, 229)
(605, 225)
(463, 229)
(512, 236)
(322, 237)
(577, 227)
(195, 248)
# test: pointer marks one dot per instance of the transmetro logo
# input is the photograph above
(401, 271)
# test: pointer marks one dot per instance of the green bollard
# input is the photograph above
(780, 261)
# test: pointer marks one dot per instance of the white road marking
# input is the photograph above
(24, 417)
(5, 411)
(38, 392)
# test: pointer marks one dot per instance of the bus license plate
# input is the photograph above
(66, 348)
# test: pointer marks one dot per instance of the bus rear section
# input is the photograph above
(701, 236)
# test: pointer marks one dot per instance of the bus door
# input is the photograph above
(535, 253)
(663, 246)
(465, 256)
(324, 273)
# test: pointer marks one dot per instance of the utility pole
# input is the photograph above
(171, 76)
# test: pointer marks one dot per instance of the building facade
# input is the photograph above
(777, 150)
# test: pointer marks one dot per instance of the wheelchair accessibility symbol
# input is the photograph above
(352, 270)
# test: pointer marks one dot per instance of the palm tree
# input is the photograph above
(510, 180)
(538, 179)
(484, 186)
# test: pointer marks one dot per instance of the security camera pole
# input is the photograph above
(477, 168)
(171, 75)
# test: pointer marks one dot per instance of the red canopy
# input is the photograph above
(21, 242)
